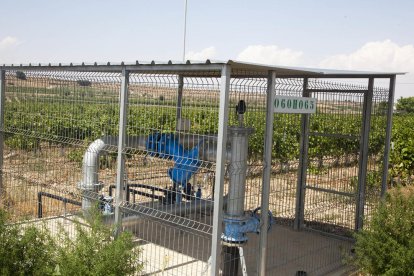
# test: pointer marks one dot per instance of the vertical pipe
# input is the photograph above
(39, 205)
(2, 100)
(239, 137)
(127, 193)
(220, 162)
(179, 101)
(388, 136)
(123, 115)
(267, 169)
(303, 164)
(363, 155)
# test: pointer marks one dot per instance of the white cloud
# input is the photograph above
(8, 42)
(378, 56)
(207, 53)
(270, 54)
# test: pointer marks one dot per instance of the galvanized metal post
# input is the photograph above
(120, 172)
(2, 101)
(388, 136)
(179, 101)
(303, 164)
(267, 170)
(363, 155)
(220, 162)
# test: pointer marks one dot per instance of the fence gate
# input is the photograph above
(333, 159)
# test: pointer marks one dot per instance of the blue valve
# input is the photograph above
(186, 162)
(235, 229)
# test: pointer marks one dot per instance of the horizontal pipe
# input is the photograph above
(152, 188)
(158, 197)
(147, 187)
(52, 196)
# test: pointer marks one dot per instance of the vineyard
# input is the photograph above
(81, 122)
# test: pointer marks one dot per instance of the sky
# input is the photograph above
(376, 35)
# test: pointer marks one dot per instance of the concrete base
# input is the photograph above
(169, 250)
(173, 251)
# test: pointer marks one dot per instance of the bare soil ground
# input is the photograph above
(51, 170)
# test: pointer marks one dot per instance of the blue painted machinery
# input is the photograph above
(186, 162)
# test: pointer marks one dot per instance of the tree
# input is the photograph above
(20, 75)
(405, 105)
(84, 82)
(386, 247)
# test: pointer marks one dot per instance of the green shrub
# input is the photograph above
(405, 105)
(20, 142)
(91, 250)
(386, 247)
(20, 75)
(94, 251)
(76, 155)
(24, 252)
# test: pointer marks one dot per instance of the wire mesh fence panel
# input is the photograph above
(171, 143)
(376, 151)
(51, 118)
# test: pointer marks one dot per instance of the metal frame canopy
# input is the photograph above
(212, 68)
(225, 71)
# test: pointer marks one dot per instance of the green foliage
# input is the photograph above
(92, 250)
(41, 119)
(84, 82)
(22, 142)
(373, 182)
(27, 251)
(76, 155)
(20, 75)
(405, 105)
(387, 246)
(381, 108)
(402, 153)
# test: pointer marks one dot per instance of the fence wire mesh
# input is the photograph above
(61, 133)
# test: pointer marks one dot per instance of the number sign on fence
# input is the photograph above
(300, 105)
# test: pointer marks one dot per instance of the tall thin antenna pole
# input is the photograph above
(185, 28)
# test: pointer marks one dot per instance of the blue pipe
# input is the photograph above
(186, 162)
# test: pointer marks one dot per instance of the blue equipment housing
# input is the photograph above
(186, 162)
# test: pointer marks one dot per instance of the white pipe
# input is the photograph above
(90, 162)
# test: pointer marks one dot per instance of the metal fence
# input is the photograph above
(183, 156)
